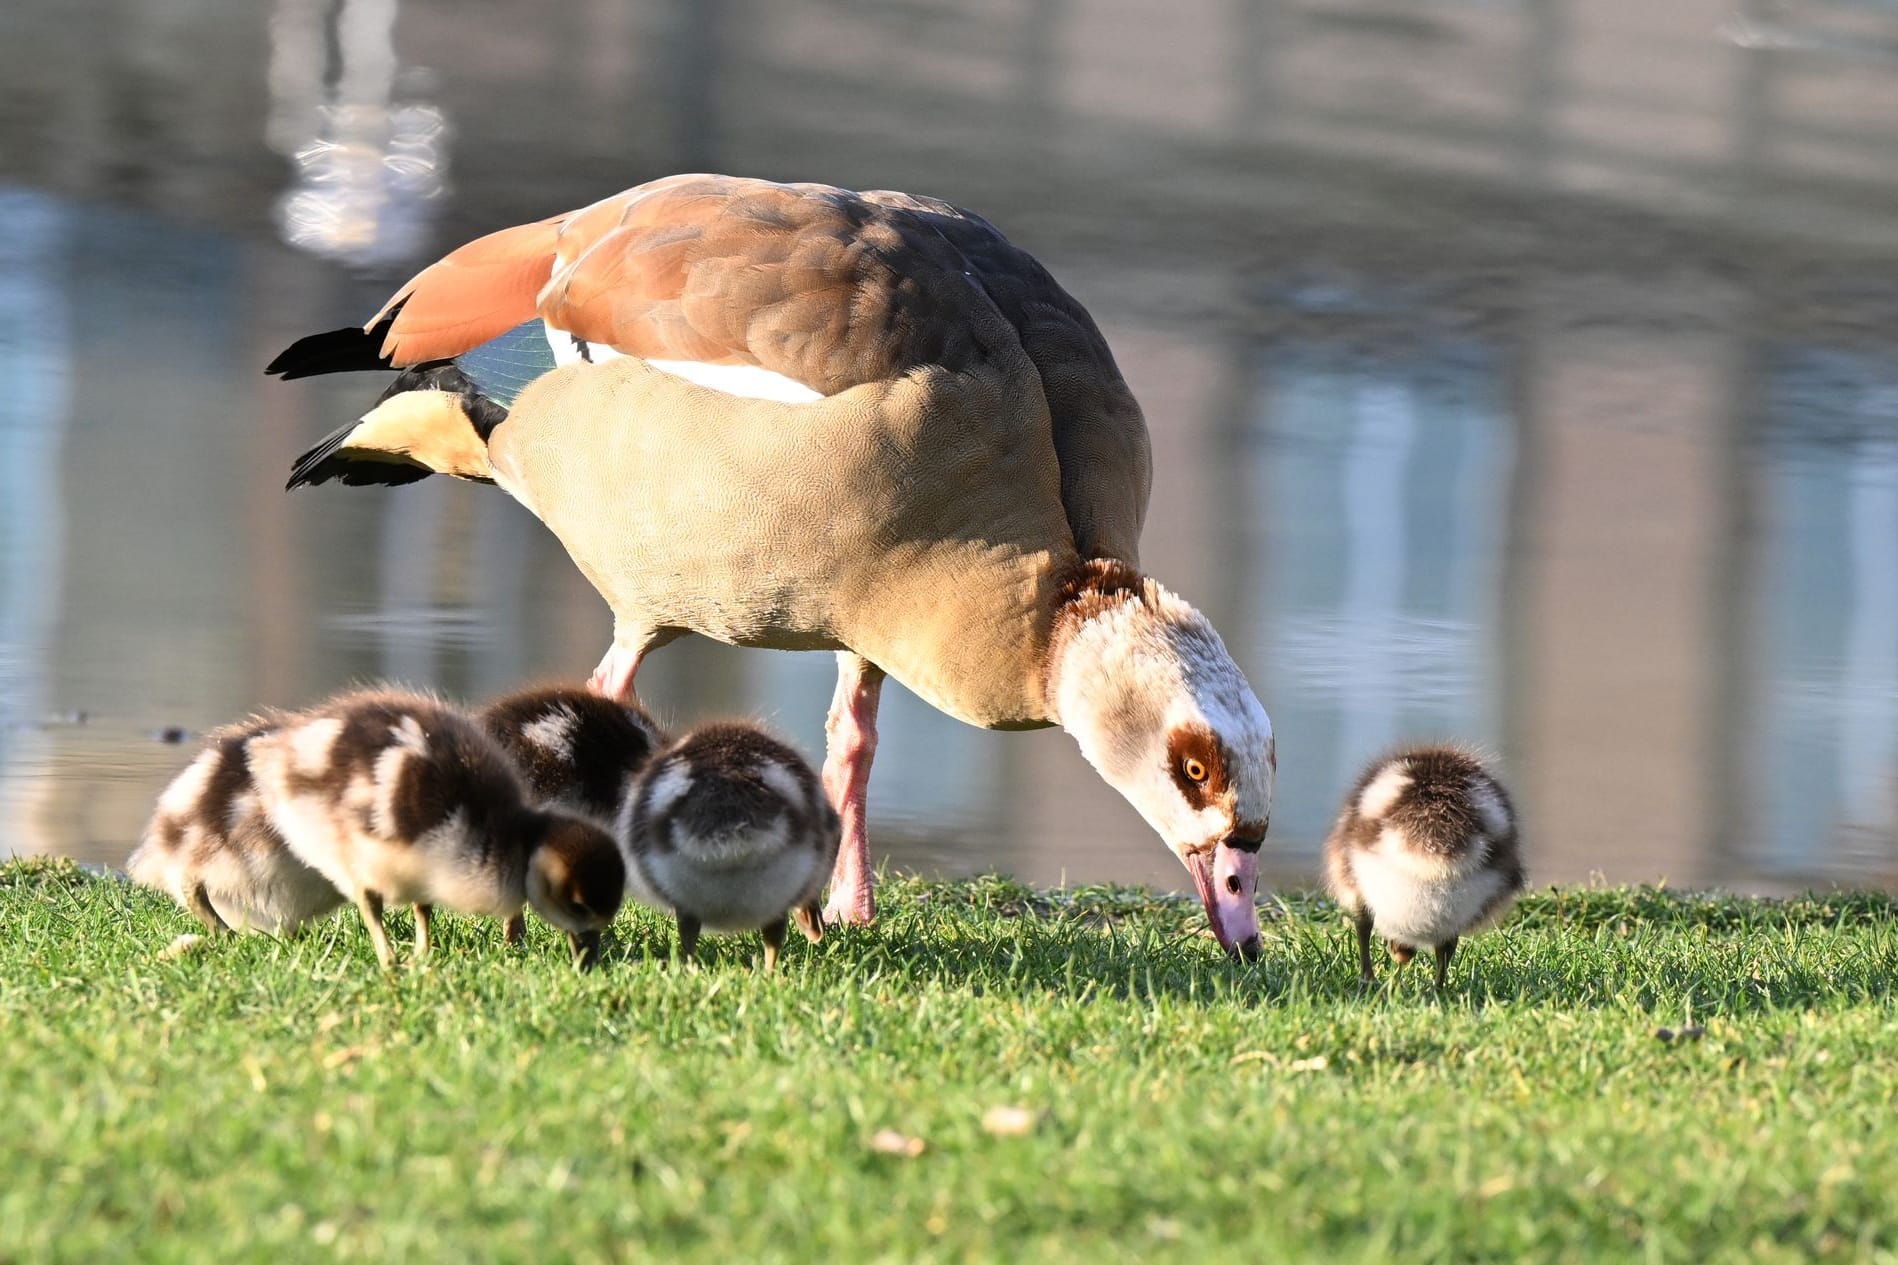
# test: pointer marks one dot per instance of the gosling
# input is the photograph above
(576, 751)
(397, 798)
(211, 847)
(730, 830)
(1424, 853)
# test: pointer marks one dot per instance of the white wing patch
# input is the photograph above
(388, 779)
(744, 380)
(784, 782)
(553, 732)
(1383, 791)
(182, 795)
(565, 346)
(310, 744)
(748, 381)
(673, 782)
(408, 733)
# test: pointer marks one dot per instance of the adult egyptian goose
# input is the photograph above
(395, 797)
(729, 829)
(794, 416)
(214, 850)
(1424, 852)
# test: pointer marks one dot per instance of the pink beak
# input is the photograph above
(1227, 880)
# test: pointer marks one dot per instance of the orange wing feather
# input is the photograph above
(471, 295)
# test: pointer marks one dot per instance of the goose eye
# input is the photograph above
(1194, 770)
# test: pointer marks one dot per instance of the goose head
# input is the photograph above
(1159, 708)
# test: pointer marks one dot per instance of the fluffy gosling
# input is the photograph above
(577, 752)
(212, 848)
(396, 797)
(730, 830)
(1424, 852)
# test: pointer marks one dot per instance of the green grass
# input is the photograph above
(271, 1101)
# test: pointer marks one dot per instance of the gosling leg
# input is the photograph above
(586, 949)
(424, 938)
(370, 903)
(689, 928)
(198, 901)
(773, 943)
(1445, 952)
(1367, 975)
(514, 930)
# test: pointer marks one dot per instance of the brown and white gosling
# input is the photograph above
(398, 798)
(1424, 852)
(213, 849)
(730, 830)
(578, 752)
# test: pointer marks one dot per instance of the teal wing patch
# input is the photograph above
(502, 367)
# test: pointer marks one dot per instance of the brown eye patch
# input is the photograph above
(1198, 764)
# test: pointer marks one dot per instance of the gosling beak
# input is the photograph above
(586, 948)
(1227, 879)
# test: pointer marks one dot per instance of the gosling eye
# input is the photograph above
(1194, 770)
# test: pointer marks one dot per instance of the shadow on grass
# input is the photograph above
(1047, 960)
(1623, 948)
(1636, 949)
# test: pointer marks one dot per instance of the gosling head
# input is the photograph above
(575, 880)
(1159, 708)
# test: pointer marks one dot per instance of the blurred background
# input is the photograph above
(1520, 371)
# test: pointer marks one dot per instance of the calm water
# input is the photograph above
(1524, 372)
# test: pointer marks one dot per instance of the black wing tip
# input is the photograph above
(322, 464)
(357, 474)
(351, 349)
(333, 351)
(310, 468)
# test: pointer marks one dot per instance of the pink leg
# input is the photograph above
(852, 730)
(614, 677)
(623, 658)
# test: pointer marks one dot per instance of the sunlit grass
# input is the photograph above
(262, 1100)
